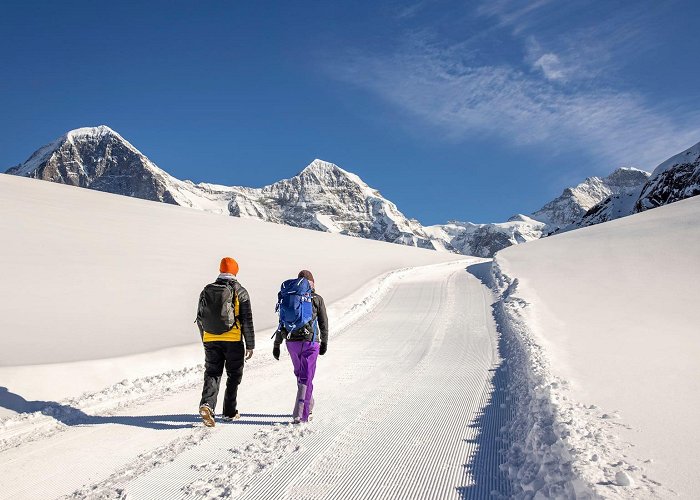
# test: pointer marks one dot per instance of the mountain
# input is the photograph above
(322, 197)
(613, 207)
(565, 212)
(675, 179)
(484, 240)
(572, 205)
(626, 185)
(325, 197)
(98, 158)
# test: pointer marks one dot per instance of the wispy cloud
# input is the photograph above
(551, 66)
(411, 10)
(436, 85)
(513, 13)
(561, 95)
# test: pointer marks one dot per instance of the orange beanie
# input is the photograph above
(228, 265)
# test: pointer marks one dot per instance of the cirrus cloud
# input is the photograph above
(436, 85)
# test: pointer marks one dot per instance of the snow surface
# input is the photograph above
(413, 341)
(587, 389)
(428, 326)
(118, 276)
(607, 319)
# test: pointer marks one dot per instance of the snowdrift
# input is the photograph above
(603, 325)
(92, 276)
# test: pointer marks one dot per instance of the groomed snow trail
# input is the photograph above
(401, 398)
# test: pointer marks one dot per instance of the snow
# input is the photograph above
(121, 276)
(411, 334)
(607, 319)
(326, 222)
(584, 385)
(416, 331)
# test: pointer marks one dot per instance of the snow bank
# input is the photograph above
(601, 324)
(551, 434)
(117, 281)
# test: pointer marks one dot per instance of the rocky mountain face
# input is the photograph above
(564, 213)
(484, 240)
(675, 179)
(611, 208)
(322, 197)
(98, 158)
(573, 204)
(624, 185)
(325, 197)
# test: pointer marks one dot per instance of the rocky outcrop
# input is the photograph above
(675, 179)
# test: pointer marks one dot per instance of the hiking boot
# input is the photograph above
(226, 418)
(207, 415)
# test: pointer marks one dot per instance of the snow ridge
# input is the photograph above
(560, 448)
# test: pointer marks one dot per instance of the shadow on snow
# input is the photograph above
(489, 481)
(74, 417)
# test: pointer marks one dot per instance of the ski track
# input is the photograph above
(409, 405)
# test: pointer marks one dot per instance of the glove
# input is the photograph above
(323, 348)
(276, 352)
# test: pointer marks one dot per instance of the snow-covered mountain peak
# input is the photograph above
(99, 134)
(321, 166)
(326, 175)
(325, 197)
(99, 158)
(323, 171)
(78, 143)
(570, 207)
(91, 133)
(627, 177)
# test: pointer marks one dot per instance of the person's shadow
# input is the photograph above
(71, 416)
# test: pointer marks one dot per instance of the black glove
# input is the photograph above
(276, 352)
(323, 349)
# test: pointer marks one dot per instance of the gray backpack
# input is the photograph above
(216, 313)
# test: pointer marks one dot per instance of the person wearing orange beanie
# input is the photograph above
(225, 320)
(228, 266)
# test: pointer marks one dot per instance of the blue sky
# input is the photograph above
(453, 110)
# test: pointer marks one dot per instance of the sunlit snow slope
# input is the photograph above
(615, 307)
(88, 275)
(410, 398)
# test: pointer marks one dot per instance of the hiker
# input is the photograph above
(225, 321)
(306, 331)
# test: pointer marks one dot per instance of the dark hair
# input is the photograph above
(306, 274)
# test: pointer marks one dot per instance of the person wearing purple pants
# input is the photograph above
(304, 346)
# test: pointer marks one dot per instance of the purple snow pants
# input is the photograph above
(304, 355)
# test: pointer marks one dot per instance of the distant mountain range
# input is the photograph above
(325, 197)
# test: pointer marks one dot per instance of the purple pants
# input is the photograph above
(304, 355)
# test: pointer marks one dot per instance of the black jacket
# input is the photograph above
(319, 313)
(245, 312)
